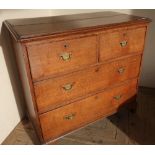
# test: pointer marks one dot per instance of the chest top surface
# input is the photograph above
(23, 29)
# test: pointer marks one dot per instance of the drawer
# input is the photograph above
(122, 42)
(65, 119)
(58, 91)
(62, 56)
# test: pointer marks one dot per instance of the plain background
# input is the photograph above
(11, 101)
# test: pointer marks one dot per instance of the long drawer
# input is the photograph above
(65, 119)
(58, 91)
(61, 56)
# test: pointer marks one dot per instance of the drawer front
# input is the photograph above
(122, 42)
(53, 58)
(65, 119)
(57, 91)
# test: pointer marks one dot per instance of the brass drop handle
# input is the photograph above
(68, 86)
(123, 43)
(121, 70)
(65, 56)
(118, 97)
(70, 116)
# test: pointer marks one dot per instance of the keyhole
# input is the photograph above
(65, 46)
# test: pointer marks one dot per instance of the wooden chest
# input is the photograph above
(76, 69)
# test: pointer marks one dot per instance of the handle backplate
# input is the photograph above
(117, 97)
(69, 116)
(68, 86)
(123, 43)
(65, 56)
(121, 70)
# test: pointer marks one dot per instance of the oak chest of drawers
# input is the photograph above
(76, 69)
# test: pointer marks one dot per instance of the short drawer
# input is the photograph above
(121, 42)
(58, 91)
(47, 59)
(65, 119)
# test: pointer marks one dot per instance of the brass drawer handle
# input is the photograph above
(68, 86)
(70, 116)
(121, 70)
(123, 43)
(65, 56)
(118, 97)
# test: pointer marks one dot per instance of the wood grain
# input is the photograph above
(118, 129)
(51, 94)
(25, 76)
(45, 59)
(32, 28)
(110, 43)
(97, 106)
